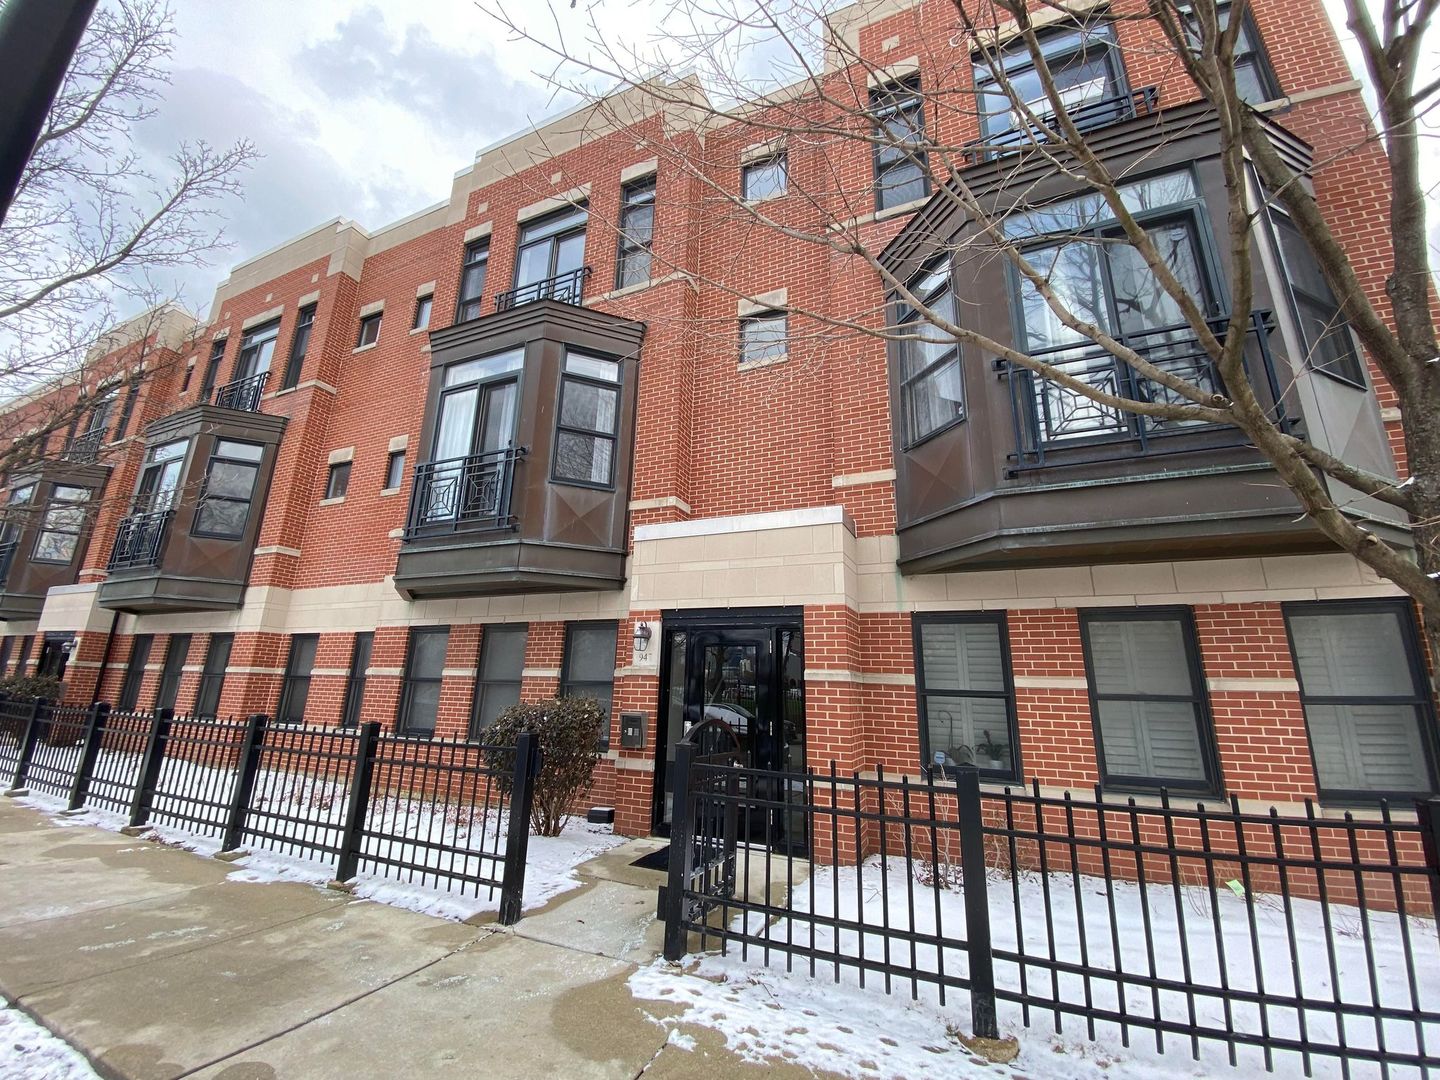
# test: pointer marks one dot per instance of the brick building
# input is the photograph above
(559, 433)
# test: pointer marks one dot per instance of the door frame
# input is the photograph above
(720, 620)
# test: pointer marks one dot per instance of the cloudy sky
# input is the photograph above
(363, 110)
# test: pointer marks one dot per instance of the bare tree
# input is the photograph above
(91, 228)
(775, 70)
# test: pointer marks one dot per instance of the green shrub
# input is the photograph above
(569, 733)
(30, 687)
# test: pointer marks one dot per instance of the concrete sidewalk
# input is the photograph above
(152, 964)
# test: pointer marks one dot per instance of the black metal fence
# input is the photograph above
(446, 815)
(1294, 941)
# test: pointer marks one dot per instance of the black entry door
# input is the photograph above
(751, 678)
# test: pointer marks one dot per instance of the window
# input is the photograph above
(128, 410)
(212, 676)
(295, 687)
(1103, 279)
(60, 528)
(472, 281)
(422, 312)
(1254, 77)
(476, 422)
(931, 387)
(395, 470)
(901, 172)
(299, 346)
(637, 231)
(1147, 699)
(337, 482)
(212, 368)
(1324, 330)
(13, 522)
(424, 668)
(1363, 688)
(257, 350)
(101, 410)
(369, 330)
(185, 379)
(763, 337)
(497, 686)
(1085, 66)
(589, 420)
(171, 670)
(764, 179)
(552, 247)
(589, 667)
(965, 693)
(160, 476)
(354, 701)
(224, 505)
(135, 672)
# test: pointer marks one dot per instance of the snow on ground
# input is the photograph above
(765, 1012)
(30, 1052)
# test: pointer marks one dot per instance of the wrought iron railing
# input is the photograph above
(242, 395)
(1054, 425)
(7, 559)
(465, 492)
(85, 448)
(1086, 117)
(568, 288)
(140, 539)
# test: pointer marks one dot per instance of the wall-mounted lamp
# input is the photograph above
(67, 646)
(642, 638)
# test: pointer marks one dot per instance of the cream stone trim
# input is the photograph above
(276, 549)
(1262, 686)
(384, 672)
(1050, 682)
(458, 673)
(635, 764)
(263, 317)
(396, 534)
(331, 502)
(762, 150)
(877, 476)
(1390, 414)
(1042, 17)
(428, 289)
(365, 348)
(540, 673)
(1300, 96)
(330, 672)
(879, 215)
(776, 519)
(479, 232)
(399, 443)
(669, 502)
(341, 455)
(864, 678)
(312, 384)
(221, 335)
(242, 670)
(372, 307)
(640, 286)
(639, 170)
(749, 305)
(192, 669)
(889, 43)
(554, 202)
(309, 298)
(901, 69)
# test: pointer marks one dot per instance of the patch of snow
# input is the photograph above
(27, 1050)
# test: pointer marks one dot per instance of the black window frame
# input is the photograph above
(923, 690)
(172, 670)
(1212, 782)
(409, 680)
(755, 318)
(207, 496)
(292, 680)
(903, 96)
(212, 368)
(299, 346)
(127, 410)
(132, 682)
(252, 346)
(375, 318)
(579, 210)
(337, 476)
(1256, 57)
(362, 649)
(394, 471)
(635, 195)
(1424, 704)
(474, 266)
(44, 526)
(570, 378)
(754, 167)
(572, 687)
(483, 683)
(907, 316)
(424, 309)
(212, 681)
(1327, 307)
(100, 410)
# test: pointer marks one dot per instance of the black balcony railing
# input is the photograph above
(7, 559)
(84, 449)
(140, 540)
(242, 395)
(568, 288)
(1054, 425)
(1086, 117)
(468, 492)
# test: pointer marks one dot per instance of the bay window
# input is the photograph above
(930, 379)
(62, 524)
(230, 476)
(588, 420)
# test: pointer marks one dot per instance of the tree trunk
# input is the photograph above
(1420, 418)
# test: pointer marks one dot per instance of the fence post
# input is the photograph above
(359, 806)
(517, 840)
(1428, 811)
(244, 781)
(33, 724)
(89, 752)
(977, 905)
(150, 764)
(672, 894)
